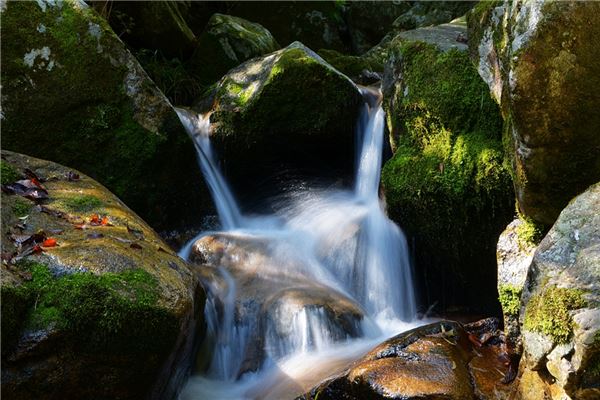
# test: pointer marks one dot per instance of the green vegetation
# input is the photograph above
(548, 312)
(8, 172)
(21, 207)
(529, 232)
(113, 311)
(351, 66)
(510, 299)
(83, 203)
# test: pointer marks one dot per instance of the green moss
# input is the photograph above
(529, 232)
(8, 173)
(14, 304)
(510, 299)
(83, 203)
(21, 207)
(109, 312)
(447, 184)
(351, 66)
(548, 312)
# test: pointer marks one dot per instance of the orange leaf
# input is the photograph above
(104, 221)
(37, 249)
(95, 219)
(50, 242)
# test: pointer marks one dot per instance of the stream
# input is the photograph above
(300, 293)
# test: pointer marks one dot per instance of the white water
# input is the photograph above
(338, 240)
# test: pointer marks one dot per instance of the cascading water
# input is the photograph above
(332, 245)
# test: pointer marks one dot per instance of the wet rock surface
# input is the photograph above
(274, 300)
(94, 303)
(443, 360)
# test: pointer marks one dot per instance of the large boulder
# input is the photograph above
(443, 360)
(72, 93)
(289, 108)
(540, 62)
(446, 184)
(225, 43)
(94, 303)
(561, 313)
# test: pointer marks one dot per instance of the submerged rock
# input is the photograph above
(277, 306)
(446, 185)
(561, 297)
(287, 109)
(540, 62)
(436, 361)
(72, 93)
(94, 303)
(225, 43)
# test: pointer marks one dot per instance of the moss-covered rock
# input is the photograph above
(71, 92)
(225, 43)
(428, 13)
(540, 62)
(561, 299)
(361, 69)
(289, 108)
(109, 311)
(446, 184)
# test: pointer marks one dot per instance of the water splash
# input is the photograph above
(340, 240)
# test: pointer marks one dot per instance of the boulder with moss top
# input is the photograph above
(446, 184)
(540, 60)
(514, 253)
(72, 93)
(561, 303)
(91, 307)
(287, 109)
(225, 43)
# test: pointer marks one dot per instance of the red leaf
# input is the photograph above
(37, 249)
(105, 221)
(50, 242)
(94, 219)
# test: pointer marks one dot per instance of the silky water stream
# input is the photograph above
(337, 245)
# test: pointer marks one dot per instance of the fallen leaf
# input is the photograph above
(95, 235)
(174, 265)
(135, 246)
(105, 221)
(122, 240)
(80, 226)
(94, 219)
(50, 242)
(37, 249)
(56, 231)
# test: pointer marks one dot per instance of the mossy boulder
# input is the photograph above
(514, 253)
(364, 70)
(446, 184)
(225, 43)
(72, 93)
(428, 13)
(560, 320)
(91, 307)
(540, 62)
(289, 109)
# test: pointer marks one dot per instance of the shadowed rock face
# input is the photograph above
(438, 361)
(108, 312)
(540, 62)
(272, 298)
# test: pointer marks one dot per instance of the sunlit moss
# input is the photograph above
(510, 299)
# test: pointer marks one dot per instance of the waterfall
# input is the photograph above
(336, 243)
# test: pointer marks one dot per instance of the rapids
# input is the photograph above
(337, 240)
